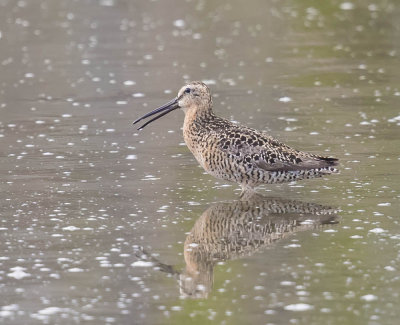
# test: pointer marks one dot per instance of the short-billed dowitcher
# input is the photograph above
(237, 153)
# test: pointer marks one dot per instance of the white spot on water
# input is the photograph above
(378, 230)
(299, 307)
(131, 157)
(346, 6)
(270, 312)
(75, 270)
(209, 81)
(50, 311)
(196, 36)
(6, 313)
(18, 273)
(290, 129)
(394, 119)
(369, 297)
(8, 310)
(285, 99)
(307, 222)
(142, 264)
(138, 95)
(150, 178)
(180, 23)
(129, 83)
(292, 246)
(71, 228)
(288, 119)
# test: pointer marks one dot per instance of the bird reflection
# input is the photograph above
(231, 230)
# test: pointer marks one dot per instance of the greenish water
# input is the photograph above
(101, 224)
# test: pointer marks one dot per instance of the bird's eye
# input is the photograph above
(187, 90)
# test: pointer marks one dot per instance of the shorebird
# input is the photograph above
(234, 152)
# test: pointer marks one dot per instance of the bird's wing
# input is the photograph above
(260, 150)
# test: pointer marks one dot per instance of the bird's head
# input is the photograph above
(195, 96)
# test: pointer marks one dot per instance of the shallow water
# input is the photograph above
(102, 224)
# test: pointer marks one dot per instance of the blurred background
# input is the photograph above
(102, 224)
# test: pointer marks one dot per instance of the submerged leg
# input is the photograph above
(247, 192)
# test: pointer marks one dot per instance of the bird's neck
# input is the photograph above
(194, 116)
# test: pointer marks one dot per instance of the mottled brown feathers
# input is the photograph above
(244, 155)
(237, 153)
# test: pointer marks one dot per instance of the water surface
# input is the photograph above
(103, 224)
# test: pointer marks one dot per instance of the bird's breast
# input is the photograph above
(197, 143)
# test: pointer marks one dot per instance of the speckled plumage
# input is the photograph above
(237, 153)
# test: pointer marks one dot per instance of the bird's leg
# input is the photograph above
(247, 192)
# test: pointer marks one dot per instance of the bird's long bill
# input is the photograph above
(165, 109)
